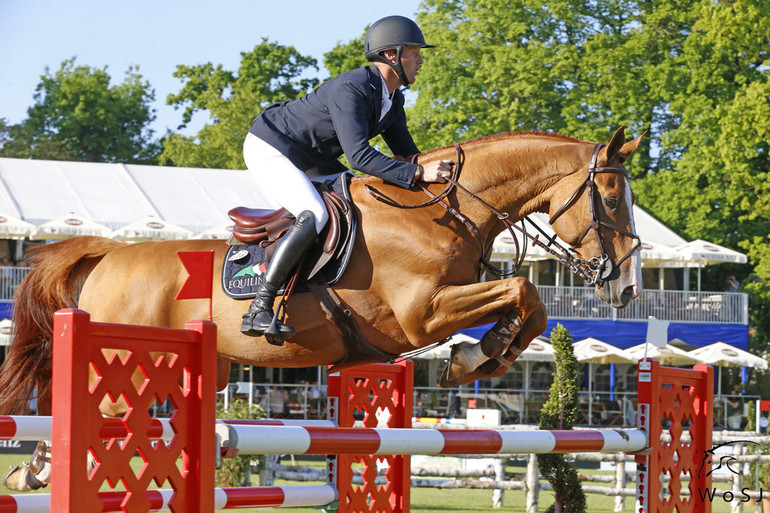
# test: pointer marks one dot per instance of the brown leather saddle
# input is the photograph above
(265, 227)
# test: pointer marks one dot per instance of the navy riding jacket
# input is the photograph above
(340, 116)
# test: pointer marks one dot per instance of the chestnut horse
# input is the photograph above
(412, 280)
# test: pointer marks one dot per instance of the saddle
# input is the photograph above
(260, 229)
(253, 241)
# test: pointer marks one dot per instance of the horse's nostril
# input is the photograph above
(630, 291)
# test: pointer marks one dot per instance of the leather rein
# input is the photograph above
(595, 271)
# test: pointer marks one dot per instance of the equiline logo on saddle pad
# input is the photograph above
(243, 271)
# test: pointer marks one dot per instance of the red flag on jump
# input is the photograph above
(200, 265)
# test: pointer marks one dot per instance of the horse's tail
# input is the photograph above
(54, 283)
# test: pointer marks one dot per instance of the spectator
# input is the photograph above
(732, 285)
(6, 278)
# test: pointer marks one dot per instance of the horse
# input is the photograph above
(413, 278)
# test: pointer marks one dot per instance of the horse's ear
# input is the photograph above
(631, 146)
(616, 143)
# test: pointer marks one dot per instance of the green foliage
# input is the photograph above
(346, 56)
(716, 183)
(267, 74)
(237, 471)
(559, 412)
(78, 115)
(560, 409)
(694, 73)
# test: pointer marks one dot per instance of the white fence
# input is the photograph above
(667, 305)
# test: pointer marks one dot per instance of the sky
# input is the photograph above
(158, 35)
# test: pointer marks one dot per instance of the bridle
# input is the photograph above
(596, 271)
(602, 266)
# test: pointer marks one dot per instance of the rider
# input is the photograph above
(292, 142)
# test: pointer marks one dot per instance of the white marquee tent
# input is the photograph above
(117, 195)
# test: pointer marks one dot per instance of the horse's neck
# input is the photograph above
(515, 175)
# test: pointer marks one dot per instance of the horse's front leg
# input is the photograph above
(513, 303)
(454, 374)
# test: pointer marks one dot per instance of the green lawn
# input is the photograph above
(429, 500)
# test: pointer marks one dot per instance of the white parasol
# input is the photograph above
(668, 355)
(11, 227)
(70, 225)
(150, 228)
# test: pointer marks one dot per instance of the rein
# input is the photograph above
(595, 271)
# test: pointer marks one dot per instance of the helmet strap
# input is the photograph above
(399, 68)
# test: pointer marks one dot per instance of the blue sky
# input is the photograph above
(157, 35)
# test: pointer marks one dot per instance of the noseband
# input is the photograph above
(596, 271)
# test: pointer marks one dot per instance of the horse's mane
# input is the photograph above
(508, 135)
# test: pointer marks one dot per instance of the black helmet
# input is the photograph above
(393, 32)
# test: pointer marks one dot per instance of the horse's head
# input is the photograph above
(600, 225)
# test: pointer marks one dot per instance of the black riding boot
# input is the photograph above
(288, 254)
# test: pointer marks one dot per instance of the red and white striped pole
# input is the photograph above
(224, 498)
(33, 428)
(255, 439)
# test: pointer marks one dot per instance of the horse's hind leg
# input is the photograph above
(470, 362)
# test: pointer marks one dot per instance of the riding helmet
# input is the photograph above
(393, 32)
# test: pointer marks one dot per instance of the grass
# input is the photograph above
(430, 500)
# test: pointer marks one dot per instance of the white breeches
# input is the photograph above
(280, 180)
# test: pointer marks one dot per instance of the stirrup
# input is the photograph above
(277, 331)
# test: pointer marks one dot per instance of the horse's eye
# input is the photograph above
(611, 202)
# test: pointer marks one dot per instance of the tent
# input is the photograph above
(721, 355)
(725, 355)
(116, 195)
(6, 330)
(700, 253)
(591, 350)
(69, 225)
(217, 232)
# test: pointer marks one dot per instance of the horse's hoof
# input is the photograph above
(459, 364)
(19, 479)
(483, 371)
(457, 368)
(444, 381)
(13, 480)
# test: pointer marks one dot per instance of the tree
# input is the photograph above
(78, 115)
(693, 73)
(267, 74)
(499, 66)
(717, 185)
(346, 56)
(559, 412)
